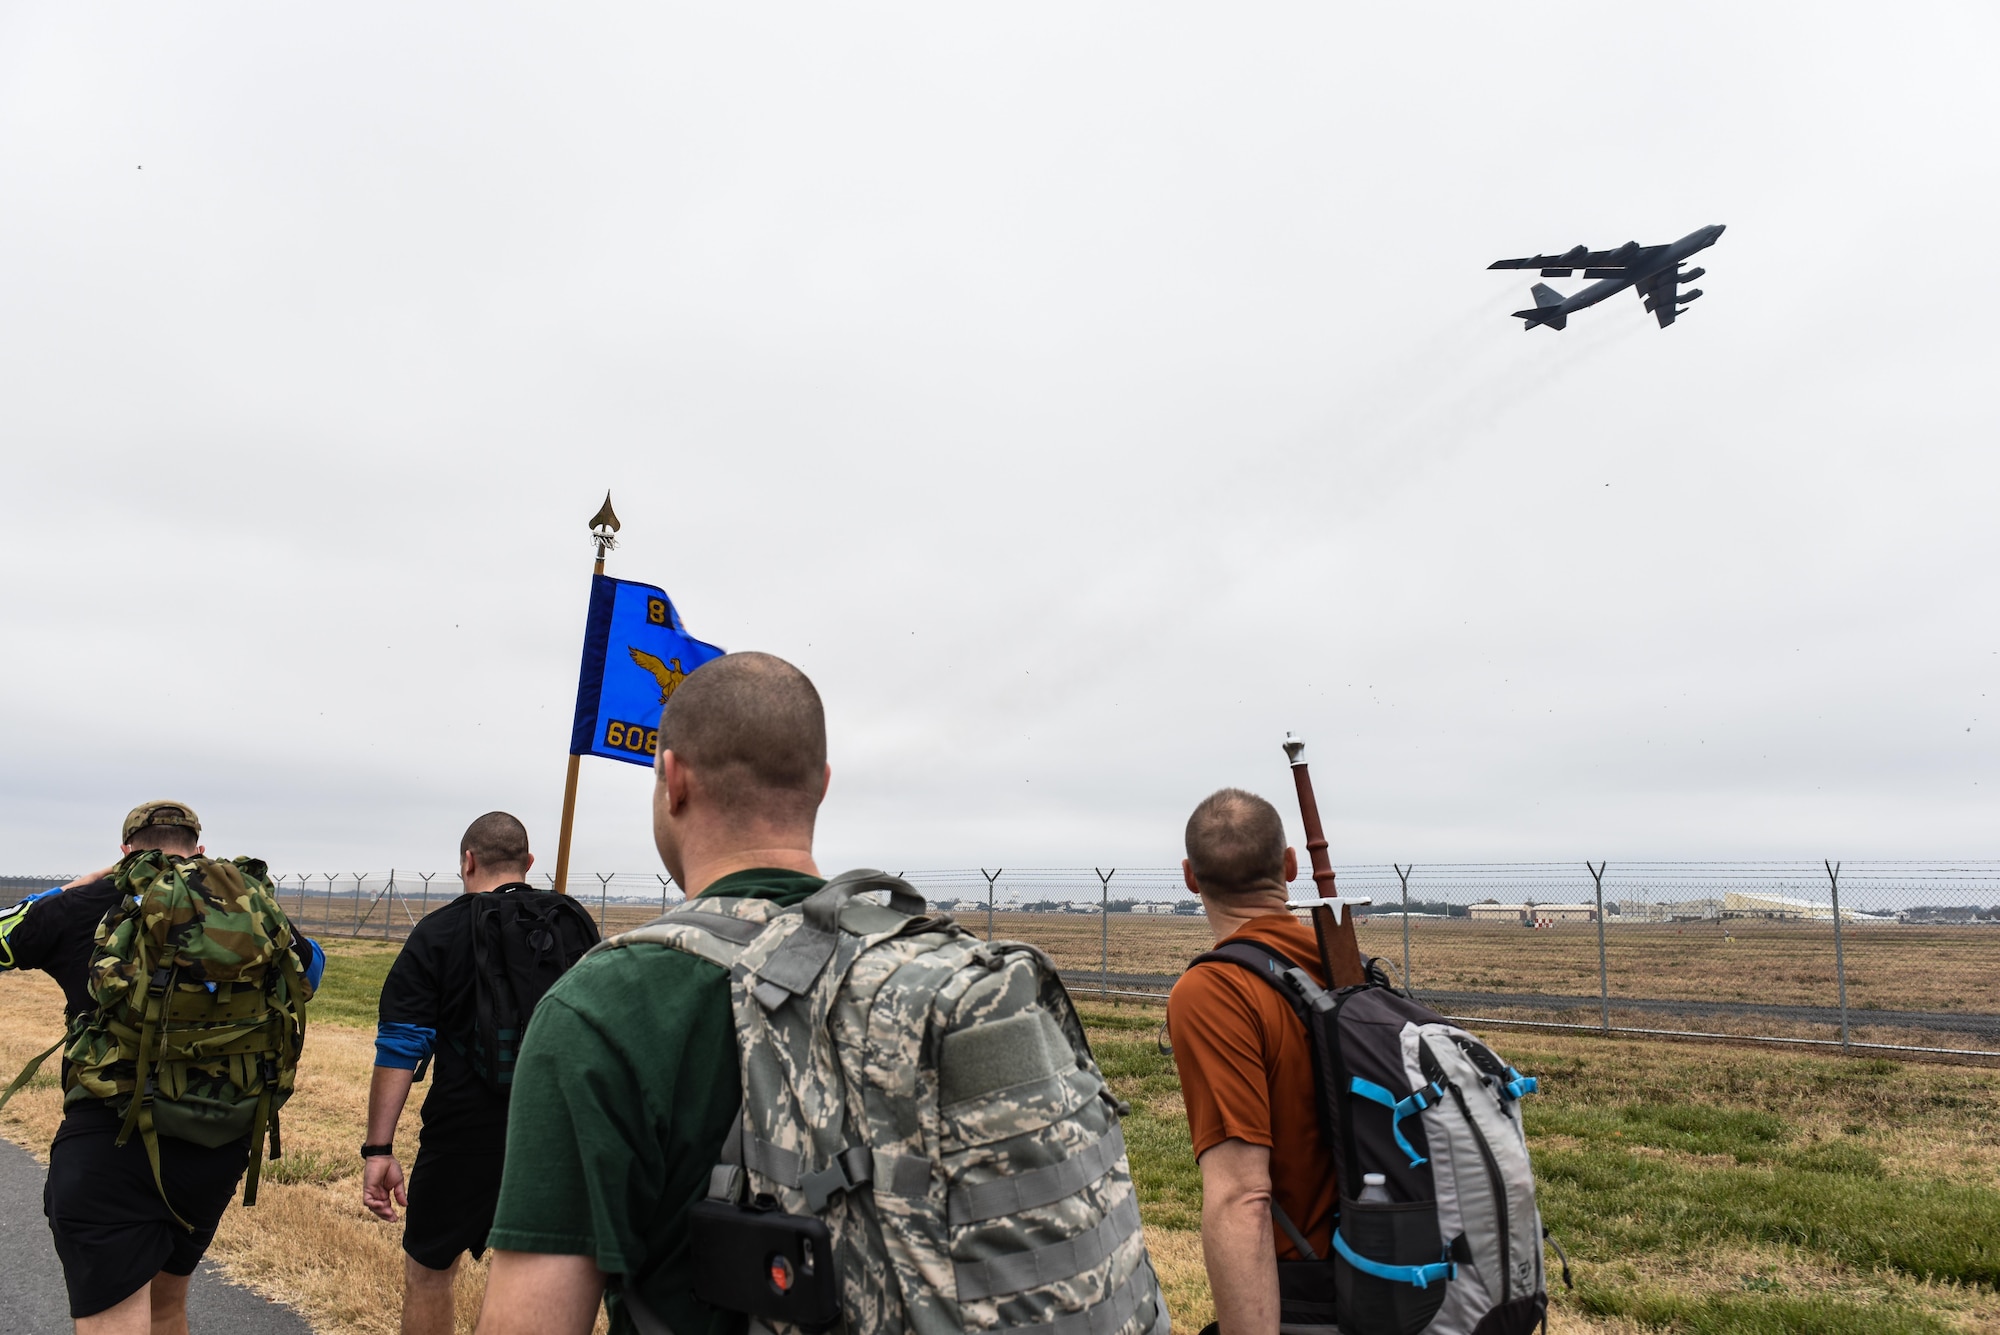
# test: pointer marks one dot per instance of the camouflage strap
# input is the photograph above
(794, 966)
(142, 1083)
(1046, 1265)
(722, 940)
(152, 1141)
(1039, 1187)
(257, 1129)
(1115, 1310)
(34, 1065)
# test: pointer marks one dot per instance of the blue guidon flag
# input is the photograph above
(635, 652)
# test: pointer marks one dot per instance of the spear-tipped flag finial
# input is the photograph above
(605, 517)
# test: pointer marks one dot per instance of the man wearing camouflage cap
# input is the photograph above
(125, 1259)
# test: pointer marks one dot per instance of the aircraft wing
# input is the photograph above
(1607, 263)
(1660, 293)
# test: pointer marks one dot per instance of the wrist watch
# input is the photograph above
(376, 1151)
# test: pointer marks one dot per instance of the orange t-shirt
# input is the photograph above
(1246, 1074)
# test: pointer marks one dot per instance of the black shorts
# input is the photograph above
(112, 1230)
(452, 1199)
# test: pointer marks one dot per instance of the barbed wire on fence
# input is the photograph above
(1899, 956)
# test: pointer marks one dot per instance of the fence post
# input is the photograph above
(989, 897)
(1104, 936)
(1403, 874)
(603, 897)
(302, 898)
(424, 905)
(389, 904)
(664, 881)
(1839, 954)
(359, 877)
(329, 899)
(1603, 977)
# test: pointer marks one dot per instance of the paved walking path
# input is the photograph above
(32, 1300)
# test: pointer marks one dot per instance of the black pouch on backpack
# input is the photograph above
(758, 1260)
(1388, 1233)
(522, 942)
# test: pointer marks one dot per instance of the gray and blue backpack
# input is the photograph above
(1452, 1242)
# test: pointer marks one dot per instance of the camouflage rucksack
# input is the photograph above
(200, 1007)
(931, 1097)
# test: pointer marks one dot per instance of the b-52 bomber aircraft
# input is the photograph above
(1654, 271)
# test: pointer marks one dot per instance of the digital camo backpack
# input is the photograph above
(928, 1144)
(200, 1008)
(1456, 1246)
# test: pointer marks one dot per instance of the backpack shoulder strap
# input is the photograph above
(792, 969)
(1284, 974)
(717, 934)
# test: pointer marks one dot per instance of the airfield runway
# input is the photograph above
(32, 1300)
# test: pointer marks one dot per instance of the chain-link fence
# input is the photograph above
(1876, 955)
(1870, 955)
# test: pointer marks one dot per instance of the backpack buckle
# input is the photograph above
(852, 1167)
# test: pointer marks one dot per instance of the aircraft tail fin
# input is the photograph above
(1547, 309)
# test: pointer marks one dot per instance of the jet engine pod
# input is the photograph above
(1686, 297)
(1692, 274)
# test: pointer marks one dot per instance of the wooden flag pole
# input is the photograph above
(1339, 950)
(603, 525)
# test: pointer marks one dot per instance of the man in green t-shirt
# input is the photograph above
(627, 1081)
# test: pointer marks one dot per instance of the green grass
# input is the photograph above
(308, 1166)
(349, 992)
(1689, 1156)
(1156, 1141)
(1755, 1313)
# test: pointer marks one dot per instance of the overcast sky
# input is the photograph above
(1082, 394)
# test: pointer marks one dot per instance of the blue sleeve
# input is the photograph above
(315, 962)
(403, 1046)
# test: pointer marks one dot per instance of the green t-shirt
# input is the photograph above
(623, 1092)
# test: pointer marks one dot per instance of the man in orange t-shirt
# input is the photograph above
(1246, 1072)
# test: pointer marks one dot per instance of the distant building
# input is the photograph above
(1757, 904)
(1532, 915)
(1146, 907)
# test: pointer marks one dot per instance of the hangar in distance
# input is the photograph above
(1654, 272)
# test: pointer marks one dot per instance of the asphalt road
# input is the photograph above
(1081, 982)
(32, 1299)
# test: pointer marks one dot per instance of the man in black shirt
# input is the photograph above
(427, 1014)
(126, 1259)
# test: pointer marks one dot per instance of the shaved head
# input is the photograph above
(752, 727)
(498, 840)
(1236, 844)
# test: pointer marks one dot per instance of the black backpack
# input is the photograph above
(522, 941)
(1456, 1247)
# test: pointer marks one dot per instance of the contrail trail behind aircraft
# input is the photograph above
(1653, 270)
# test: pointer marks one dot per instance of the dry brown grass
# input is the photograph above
(1889, 966)
(1949, 969)
(307, 1241)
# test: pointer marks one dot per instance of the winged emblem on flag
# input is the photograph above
(668, 674)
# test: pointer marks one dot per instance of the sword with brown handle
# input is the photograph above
(1339, 951)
